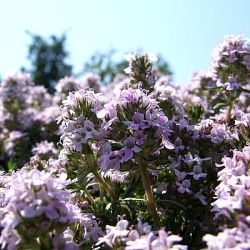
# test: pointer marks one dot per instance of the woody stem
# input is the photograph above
(150, 198)
(104, 184)
(229, 110)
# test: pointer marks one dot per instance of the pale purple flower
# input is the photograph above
(233, 238)
(129, 149)
(110, 110)
(188, 159)
(234, 184)
(14, 141)
(247, 61)
(113, 233)
(202, 198)
(44, 150)
(184, 186)
(66, 85)
(116, 176)
(150, 79)
(38, 195)
(138, 122)
(197, 172)
(230, 85)
(178, 145)
(91, 81)
(143, 228)
(139, 238)
(139, 137)
(181, 175)
(105, 156)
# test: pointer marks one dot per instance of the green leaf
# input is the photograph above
(11, 165)
(132, 185)
(164, 202)
(134, 199)
(245, 90)
(219, 105)
(108, 207)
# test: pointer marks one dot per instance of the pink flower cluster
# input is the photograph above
(37, 207)
(232, 202)
(139, 238)
(28, 116)
(233, 190)
(233, 51)
(132, 110)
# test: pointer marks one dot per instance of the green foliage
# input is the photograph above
(194, 113)
(11, 165)
(162, 66)
(104, 64)
(48, 60)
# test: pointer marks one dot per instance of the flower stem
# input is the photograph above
(93, 167)
(229, 110)
(44, 244)
(89, 196)
(150, 198)
(104, 184)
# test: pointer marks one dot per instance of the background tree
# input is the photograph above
(162, 66)
(48, 60)
(104, 64)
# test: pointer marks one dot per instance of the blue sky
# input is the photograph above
(184, 32)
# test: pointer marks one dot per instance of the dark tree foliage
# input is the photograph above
(163, 66)
(48, 60)
(107, 68)
(104, 65)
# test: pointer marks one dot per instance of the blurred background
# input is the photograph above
(81, 35)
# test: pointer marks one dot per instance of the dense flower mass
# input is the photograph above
(140, 122)
(234, 185)
(232, 202)
(232, 61)
(138, 164)
(141, 237)
(38, 208)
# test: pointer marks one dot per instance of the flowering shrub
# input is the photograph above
(141, 237)
(141, 163)
(39, 211)
(28, 117)
(232, 202)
